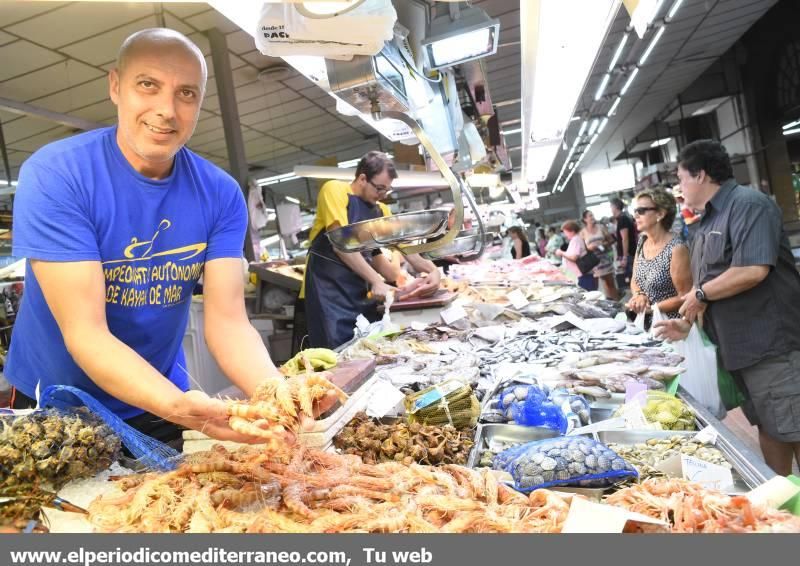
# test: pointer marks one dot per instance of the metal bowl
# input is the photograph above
(390, 230)
(463, 245)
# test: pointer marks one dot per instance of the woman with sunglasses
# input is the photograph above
(661, 270)
(337, 284)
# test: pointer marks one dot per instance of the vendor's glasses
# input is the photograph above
(381, 188)
(642, 210)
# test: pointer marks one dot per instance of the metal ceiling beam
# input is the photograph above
(38, 112)
(4, 153)
(237, 158)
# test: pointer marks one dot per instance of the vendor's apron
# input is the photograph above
(335, 295)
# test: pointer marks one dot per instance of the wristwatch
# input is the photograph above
(701, 295)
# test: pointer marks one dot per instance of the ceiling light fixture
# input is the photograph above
(629, 82)
(644, 13)
(614, 106)
(602, 88)
(276, 179)
(292, 200)
(593, 128)
(618, 52)
(603, 125)
(471, 35)
(659, 143)
(583, 128)
(652, 45)
(791, 132)
(791, 124)
(674, 9)
(510, 132)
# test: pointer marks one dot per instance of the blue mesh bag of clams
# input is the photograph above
(530, 405)
(568, 460)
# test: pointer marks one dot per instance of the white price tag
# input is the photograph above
(518, 299)
(384, 398)
(705, 473)
(452, 314)
(634, 417)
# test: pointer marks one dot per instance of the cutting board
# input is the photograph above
(440, 299)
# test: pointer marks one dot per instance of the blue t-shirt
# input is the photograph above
(79, 199)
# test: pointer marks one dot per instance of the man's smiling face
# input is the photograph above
(158, 94)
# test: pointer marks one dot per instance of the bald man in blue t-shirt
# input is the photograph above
(118, 224)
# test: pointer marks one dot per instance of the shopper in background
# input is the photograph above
(520, 247)
(626, 242)
(337, 283)
(747, 285)
(541, 242)
(599, 241)
(575, 250)
(661, 273)
(118, 224)
(554, 243)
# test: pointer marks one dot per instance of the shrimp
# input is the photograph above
(296, 498)
(447, 503)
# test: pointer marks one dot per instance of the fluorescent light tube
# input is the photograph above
(292, 200)
(603, 125)
(652, 45)
(618, 52)
(614, 106)
(791, 132)
(593, 128)
(791, 124)
(629, 82)
(583, 128)
(276, 179)
(602, 88)
(659, 143)
(674, 9)
(510, 132)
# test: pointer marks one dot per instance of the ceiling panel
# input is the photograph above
(186, 9)
(210, 19)
(13, 12)
(24, 127)
(48, 80)
(103, 48)
(35, 142)
(23, 57)
(68, 24)
(75, 97)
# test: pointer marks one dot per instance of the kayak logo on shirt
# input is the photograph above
(168, 282)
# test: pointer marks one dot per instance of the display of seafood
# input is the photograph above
(691, 508)
(645, 456)
(666, 411)
(385, 348)
(573, 460)
(429, 369)
(403, 442)
(320, 492)
(54, 447)
(504, 407)
(23, 502)
(450, 402)
(278, 405)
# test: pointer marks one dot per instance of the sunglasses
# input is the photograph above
(642, 210)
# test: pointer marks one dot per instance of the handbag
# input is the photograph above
(587, 262)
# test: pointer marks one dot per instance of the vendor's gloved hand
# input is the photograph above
(672, 330)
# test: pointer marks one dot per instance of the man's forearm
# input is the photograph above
(624, 233)
(360, 267)
(240, 352)
(420, 264)
(115, 367)
(735, 280)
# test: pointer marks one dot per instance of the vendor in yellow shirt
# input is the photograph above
(336, 283)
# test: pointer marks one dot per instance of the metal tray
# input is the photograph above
(487, 433)
(740, 485)
(390, 230)
(463, 245)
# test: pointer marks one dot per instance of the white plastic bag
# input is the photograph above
(283, 30)
(700, 379)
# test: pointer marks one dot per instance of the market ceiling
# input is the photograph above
(699, 32)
